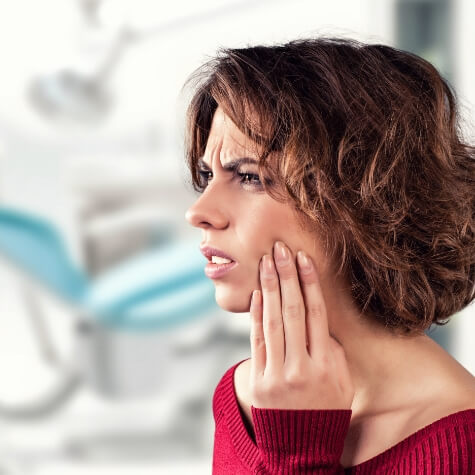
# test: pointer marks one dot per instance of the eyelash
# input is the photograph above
(204, 173)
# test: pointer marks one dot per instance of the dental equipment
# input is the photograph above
(126, 318)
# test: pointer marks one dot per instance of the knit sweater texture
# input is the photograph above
(310, 441)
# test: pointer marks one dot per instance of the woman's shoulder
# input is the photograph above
(442, 396)
(447, 407)
(408, 428)
(446, 391)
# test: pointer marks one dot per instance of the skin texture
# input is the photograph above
(387, 381)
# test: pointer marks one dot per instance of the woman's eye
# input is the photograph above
(254, 179)
(246, 178)
(204, 175)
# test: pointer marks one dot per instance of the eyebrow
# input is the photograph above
(230, 166)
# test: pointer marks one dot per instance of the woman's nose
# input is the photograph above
(207, 211)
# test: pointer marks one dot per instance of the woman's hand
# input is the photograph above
(295, 363)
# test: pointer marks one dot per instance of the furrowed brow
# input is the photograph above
(230, 166)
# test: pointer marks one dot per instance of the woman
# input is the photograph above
(349, 155)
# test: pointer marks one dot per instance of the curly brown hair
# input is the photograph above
(365, 140)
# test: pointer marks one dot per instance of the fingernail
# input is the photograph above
(281, 253)
(304, 262)
(267, 266)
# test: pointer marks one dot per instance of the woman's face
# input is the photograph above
(239, 218)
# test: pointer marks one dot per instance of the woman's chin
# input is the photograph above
(232, 301)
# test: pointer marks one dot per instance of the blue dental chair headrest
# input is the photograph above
(157, 289)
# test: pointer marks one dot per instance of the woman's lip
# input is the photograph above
(209, 251)
(214, 271)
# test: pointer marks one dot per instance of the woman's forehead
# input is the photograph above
(226, 138)
(223, 127)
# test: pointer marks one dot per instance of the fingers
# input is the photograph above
(272, 315)
(258, 346)
(316, 312)
(293, 307)
(289, 320)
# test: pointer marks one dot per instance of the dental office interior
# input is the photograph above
(111, 342)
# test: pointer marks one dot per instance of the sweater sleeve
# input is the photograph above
(300, 441)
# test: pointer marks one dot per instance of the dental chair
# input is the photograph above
(126, 320)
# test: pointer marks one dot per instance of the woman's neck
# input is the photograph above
(384, 366)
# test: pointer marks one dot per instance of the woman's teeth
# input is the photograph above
(219, 260)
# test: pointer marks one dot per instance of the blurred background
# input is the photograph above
(111, 343)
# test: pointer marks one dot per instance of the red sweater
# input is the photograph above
(310, 441)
